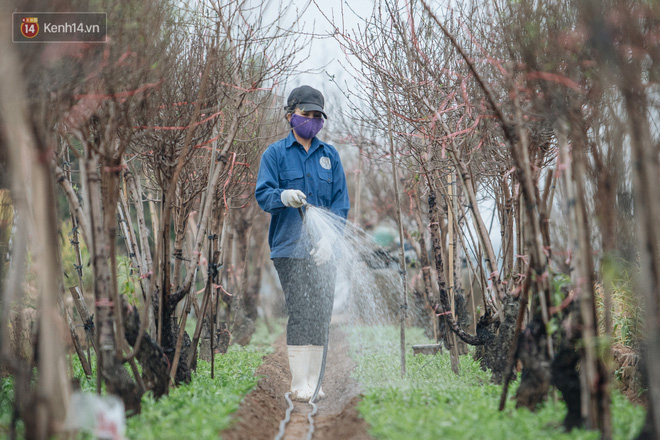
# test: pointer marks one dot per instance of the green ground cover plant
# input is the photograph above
(431, 402)
(203, 408)
(198, 410)
(6, 408)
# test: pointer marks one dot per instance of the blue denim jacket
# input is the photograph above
(318, 173)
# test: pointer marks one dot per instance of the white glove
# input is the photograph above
(293, 198)
(322, 253)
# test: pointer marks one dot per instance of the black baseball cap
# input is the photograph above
(307, 99)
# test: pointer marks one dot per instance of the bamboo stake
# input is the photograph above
(450, 264)
(507, 231)
(473, 305)
(77, 213)
(163, 270)
(154, 215)
(520, 238)
(74, 338)
(180, 221)
(129, 238)
(212, 318)
(192, 233)
(154, 289)
(450, 240)
(221, 220)
(85, 316)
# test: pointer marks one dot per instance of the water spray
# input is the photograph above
(376, 285)
(287, 396)
(325, 346)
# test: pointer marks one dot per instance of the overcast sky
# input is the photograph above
(324, 55)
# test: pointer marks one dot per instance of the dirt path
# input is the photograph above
(263, 409)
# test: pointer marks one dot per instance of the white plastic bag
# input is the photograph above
(101, 416)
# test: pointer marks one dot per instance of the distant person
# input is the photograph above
(295, 171)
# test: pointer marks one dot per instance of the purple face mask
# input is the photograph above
(306, 128)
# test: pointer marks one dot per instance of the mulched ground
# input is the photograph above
(262, 410)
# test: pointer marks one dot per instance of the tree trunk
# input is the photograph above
(429, 297)
(647, 215)
(31, 169)
(109, 366)
(442, 308)
(155, 372)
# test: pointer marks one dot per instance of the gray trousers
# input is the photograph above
(309, 292)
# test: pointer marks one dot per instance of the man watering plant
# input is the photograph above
(298, 171)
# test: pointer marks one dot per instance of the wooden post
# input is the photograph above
(453, 353)
(450, 240)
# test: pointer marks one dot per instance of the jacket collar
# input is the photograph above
(291, 141)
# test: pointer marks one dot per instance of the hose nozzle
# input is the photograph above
(300, 210)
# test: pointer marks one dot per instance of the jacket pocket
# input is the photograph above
(292, 179)
(324, 185)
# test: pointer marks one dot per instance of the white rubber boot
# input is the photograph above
(299, 358)
(315, 361)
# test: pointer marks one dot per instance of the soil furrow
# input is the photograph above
(262, 410)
